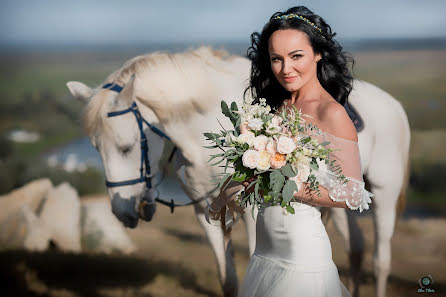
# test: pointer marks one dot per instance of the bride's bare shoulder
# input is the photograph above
(337, 121)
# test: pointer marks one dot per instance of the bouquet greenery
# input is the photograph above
(274, 151)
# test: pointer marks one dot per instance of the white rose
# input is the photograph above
(276, 121)
(255, 124)
(271, 146)
(260, 142)
(285, 145)
(251, 158)
(264, 161)
(247, 137)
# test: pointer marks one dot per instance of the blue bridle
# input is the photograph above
(145, 175)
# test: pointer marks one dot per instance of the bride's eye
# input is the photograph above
(297, 56)
(275, 59)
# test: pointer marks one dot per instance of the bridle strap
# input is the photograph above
(145, 163)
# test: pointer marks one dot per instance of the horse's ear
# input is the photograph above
(80, 90)
(127, 92)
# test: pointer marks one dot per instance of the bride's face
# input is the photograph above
(293, 61)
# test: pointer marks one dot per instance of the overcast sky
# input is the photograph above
(120, 21)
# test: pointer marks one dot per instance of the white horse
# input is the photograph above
(181, 93)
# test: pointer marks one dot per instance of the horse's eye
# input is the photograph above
(126, 150)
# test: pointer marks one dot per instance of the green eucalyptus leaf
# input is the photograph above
(288, 170)
(288, 190)
(276, 180)
(314, 166)
(234, 106)
(290, 209)
(224, 108)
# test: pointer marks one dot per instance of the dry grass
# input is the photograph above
(174, 259)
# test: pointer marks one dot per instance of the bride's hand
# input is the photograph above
(231, 188)
(247, 182)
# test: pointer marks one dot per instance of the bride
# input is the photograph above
(296, 61)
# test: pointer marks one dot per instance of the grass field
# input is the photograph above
(417, 78)
(174, 259)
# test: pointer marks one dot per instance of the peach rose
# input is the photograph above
(278, 161)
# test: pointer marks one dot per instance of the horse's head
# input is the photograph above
(116, 127)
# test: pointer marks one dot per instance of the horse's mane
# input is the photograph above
(156, 68)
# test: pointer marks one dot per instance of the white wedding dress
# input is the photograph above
(293, 255)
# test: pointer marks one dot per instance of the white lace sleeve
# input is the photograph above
(347, 157)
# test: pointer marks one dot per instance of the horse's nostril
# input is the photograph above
(131, 222)
(124, 210)
(146, 210)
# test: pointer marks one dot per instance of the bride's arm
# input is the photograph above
(341, 126)
(309, 196)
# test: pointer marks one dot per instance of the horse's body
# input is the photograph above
(181, 94)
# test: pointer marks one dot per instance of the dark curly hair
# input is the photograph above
(332, 70)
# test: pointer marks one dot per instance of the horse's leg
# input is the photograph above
(347, 225)
(250, 225)
(225, 260)
(384, 221)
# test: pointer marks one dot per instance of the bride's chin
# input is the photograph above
(290, 88)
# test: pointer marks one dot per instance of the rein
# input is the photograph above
(145, 175)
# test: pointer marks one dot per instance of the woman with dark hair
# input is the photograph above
(296, 62)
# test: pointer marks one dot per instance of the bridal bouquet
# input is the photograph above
(273, 150)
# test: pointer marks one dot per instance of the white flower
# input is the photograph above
(321, 164)
(303, 171)
(264, 161)
(284, 211)
(230, 138)
(255, 124)
(260, 142)
(271, 146)
(273, 129)
(307, 151)
(313, 142)
(251, 158)
(247, 137)
(276, 121)
(301, 159)
(285, 145)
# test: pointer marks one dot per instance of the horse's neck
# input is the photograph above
(186, 128)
